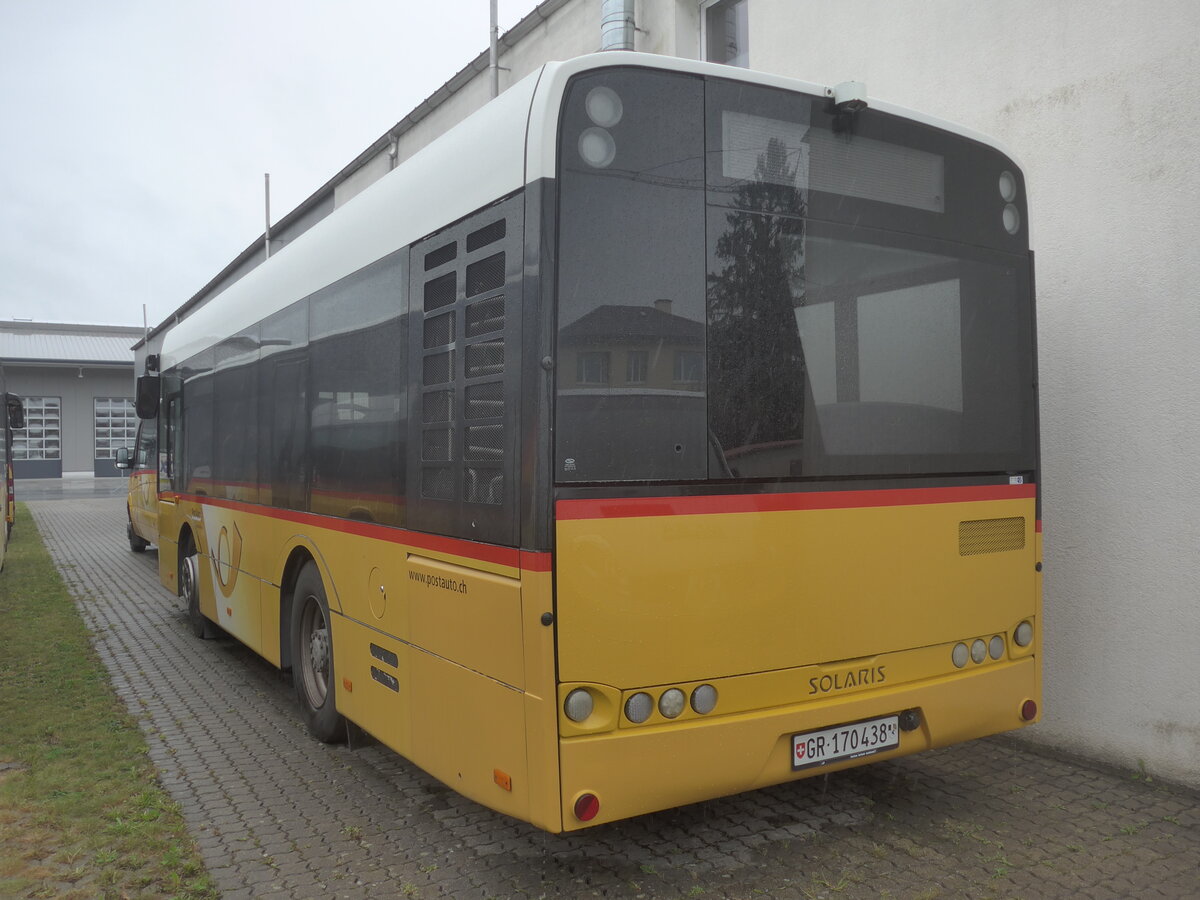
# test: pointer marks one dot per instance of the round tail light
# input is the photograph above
(672, 702)
(1029, 710)
(704, 699)
(1023, 636)
(579, 705)
(639, 707)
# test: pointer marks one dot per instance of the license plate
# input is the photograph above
(817, 748)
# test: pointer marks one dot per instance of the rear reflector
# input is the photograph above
(586, 807)
(1029, 710)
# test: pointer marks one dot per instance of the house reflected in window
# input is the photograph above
(651, 347)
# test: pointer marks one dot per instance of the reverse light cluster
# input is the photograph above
(1011, 216)
(671, 703)
(594, 708)
(596, 144)
(579, 705)
(981, 649)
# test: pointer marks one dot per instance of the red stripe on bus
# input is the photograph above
(645, 507)
(503, 556)
(532, 561)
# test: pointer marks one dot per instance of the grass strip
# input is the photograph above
(81, 812)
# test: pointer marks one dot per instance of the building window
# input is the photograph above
(116, 425)
(42, 437)
(727, 33)
(636, 363)
(689, 366)
(592, 367)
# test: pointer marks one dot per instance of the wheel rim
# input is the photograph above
(187, 582)
(314, 652)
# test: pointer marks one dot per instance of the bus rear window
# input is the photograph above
(857, 310)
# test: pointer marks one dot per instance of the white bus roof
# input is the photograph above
(506, 144)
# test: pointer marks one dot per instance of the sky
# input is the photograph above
(136, 132)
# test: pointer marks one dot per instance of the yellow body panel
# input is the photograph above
(659, 599)
(143, 503)
(801, 619)
(169, 522)
(442, 657)
(452, 606)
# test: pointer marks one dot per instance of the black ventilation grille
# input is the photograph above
(488, 234)
(485, 275)
(439, 330)
(440, 291)
(483, 485)
(470, 311)
(485, 401)
(436, 444)
(439, 406)
(484, 443)
(437, 483)
(485, 358)
(440, 256)
(485, 316)
(438, 368)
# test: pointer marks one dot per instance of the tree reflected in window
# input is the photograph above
(755, 282)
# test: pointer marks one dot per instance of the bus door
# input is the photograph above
(143, 495)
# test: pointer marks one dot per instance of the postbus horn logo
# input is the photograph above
(229, 559)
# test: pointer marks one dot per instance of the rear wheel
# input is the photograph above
(136, 544)
(312, 658)
(189, 589)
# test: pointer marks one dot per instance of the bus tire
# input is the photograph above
(136, 543)
(189, 589)
(312, 658)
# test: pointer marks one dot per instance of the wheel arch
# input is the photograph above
(297, 558)
(297, 551)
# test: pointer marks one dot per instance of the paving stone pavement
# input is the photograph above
(277, 814)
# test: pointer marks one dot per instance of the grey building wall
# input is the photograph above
(78, 387)
(1095, 99)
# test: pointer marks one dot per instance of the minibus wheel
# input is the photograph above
(136, 544)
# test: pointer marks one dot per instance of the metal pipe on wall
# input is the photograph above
(494, 40)
(616, 25)
(267, 202)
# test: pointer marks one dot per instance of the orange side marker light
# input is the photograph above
(348, 685)
(502, 778)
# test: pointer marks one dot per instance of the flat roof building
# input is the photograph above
(76, 382)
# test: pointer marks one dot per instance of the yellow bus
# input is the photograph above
(14, 418)
(661, 431)
(141, 501)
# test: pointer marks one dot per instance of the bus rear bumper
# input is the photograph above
(637, 770)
